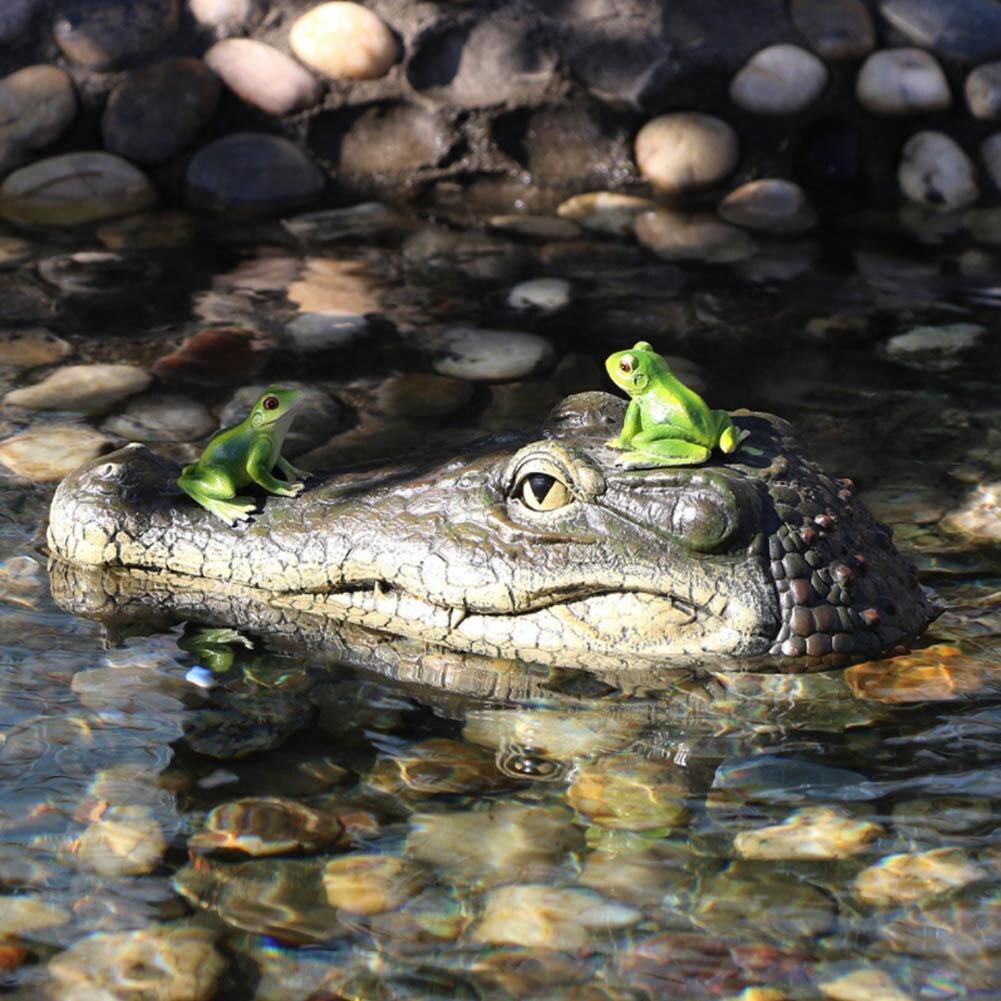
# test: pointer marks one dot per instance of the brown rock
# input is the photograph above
(835, 29)
(107, 33)
(37, 104)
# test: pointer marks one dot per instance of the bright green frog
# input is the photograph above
(666, 423)
(243, 454)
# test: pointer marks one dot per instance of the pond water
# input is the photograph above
(192, 815)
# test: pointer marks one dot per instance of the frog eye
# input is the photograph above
(543, 492)
(626, 364)
(271, 402)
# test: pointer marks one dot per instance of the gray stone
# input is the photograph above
(835, 29)
(677, 236)
(772, 205)
(162, 417)
(156, 111)
(15, 16)
(934, 348)
(902, 82)
(105, 34)
(489, 355)
(967, 30)
(543, 295)
(37, 104)
(263, 76)
(983, 91)
(990, 153)
(779, 80)
(326, 331)
(252, 172)
(934, 171)
(315, 423)
(97, 272)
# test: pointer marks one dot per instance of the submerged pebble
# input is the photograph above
(914, 876)
(268, 825)
(935, 348)
(124, 841)
(372, 884)
(684, 237)
(817, 832)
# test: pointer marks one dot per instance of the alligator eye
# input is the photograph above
(542, 492)
(703, 521)
(107, 471)
(627, 364)
(270, 402)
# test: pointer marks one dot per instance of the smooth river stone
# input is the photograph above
(15, 16)
(678, 152)
(966, 30)
(677, 236)
(250, 172)
(263, 76)
(162, 417)
(372, 884)
(779, 80)
(228, 16)
(124, 841)
(934, 171)
(866, 984)
(74, 188)
(31, 348)
(156, 111)
(902, 82)
(983, 91)
(990, 153)
(978, 519)
(771, 205)
(605, 211)
(37, 104)
(104, 34)
(83, 389)
(49, 453)
(913, 876)
(835, 29)
(344, 40)
(489, 355)
(811, 834)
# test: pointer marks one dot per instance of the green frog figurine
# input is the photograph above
(243, 454)
(666, 423)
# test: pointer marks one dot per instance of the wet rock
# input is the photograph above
(316, 422)
(780, 262)
(85, 389)
(812, 833)
(902, 82)
(913, 876)
(605, 211)
(978, 520)
(335, 288)
(49, 453)
(439, 766)
(250, 172)
(489, 355)
(507, 842)
(934, 171)
(983, 91)
(934, 348)
(938, 673)
(835, 29)
(309, 332)
(935, 817)
(638, 871)
(247, 724)
(133, 690)
(779, 80)
(74, 188)
(148, 231)
(95, 273)
(162, 962)
(503, 57)
(267, 825)
(125, 841)
(162, 417)
(364, 221)
(31, 348)
(466, 254)
(37, 104)
(518, 405)
(104, 35)
(678, 152)
(541, 295)
(24, 915)
(969, 31)
(630, 793)
(344, 40)
(214, 356)
(771, 205)
(536, 227)
(15, 17)
(675, 236)
(420, 394)
(990, 153)
(866, 984)
(263, 76)
(229, 17)
(14, 253)
(372, 884)
(157, 111)
(548, 917)
(22, 582)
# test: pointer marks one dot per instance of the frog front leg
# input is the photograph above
(663, 445)
(631, 426)
(259, 470)
(289, 471)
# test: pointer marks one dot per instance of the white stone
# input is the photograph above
(263, 76)
(231, 15)
(84, 389)
(489, 355)
(772, 205)
(983, 91)
(678, 236)
(49, 453)
(902, 82)
(162, 417)
(937, 348)
(912, 876)
(979, 518)
(779, 80)
(344, 40)
(125, 841)
(934, 171)
(811, 834)
(678, 152)
(545, 295)
(31, 348)
(605, 211)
